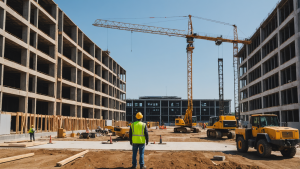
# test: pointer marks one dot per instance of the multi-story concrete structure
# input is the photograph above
(48, 66)
(269, 67)
(167, 108)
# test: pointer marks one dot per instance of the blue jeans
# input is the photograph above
(135, 148)
(32, 136)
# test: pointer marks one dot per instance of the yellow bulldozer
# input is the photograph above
(220, 126)
(265, 135)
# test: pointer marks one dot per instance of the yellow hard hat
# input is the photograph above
(31, 125)
(139, 115)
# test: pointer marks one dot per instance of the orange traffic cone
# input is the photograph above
(110, 140)
(50, 140)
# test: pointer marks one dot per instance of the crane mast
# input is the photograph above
(189, 50)
(221, 87)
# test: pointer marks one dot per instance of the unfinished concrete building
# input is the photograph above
(48, 66)
(269, 68)
(167, 108)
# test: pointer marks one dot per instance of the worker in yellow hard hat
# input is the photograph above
(31, 132)
(138, 135)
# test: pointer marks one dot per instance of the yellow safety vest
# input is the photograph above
(138, 130)
(30, 130)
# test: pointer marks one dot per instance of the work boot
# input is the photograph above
(144, 167)
(133, 167)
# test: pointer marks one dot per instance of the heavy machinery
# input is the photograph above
(179, 121)
(265, 135)
(190, 36)
(221, 126)
(122, 132)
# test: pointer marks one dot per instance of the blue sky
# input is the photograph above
(156, 66)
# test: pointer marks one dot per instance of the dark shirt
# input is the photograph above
(145, 133)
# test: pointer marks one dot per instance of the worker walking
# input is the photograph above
(31, 132)
(138, 135)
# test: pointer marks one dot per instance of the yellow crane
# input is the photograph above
(190, 36)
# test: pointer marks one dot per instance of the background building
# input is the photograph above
(48, 66)
(167, 108)
(269, 67)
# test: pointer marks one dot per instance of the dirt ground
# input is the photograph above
(154, 135)
(47, 159)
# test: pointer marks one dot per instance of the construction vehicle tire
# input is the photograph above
(242, 145)
(219, 134)
(208, 133)
(231, 135)
(289, 152)
(264, 149)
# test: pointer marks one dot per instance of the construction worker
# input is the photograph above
(138, 135)
(31, 132)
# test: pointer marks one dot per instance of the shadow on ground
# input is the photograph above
(252, 155)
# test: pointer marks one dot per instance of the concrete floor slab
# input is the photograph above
(175, 146)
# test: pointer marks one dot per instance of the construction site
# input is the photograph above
(63, 98)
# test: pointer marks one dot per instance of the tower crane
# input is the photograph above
(190, 36)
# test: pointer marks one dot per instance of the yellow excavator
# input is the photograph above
(179, 121)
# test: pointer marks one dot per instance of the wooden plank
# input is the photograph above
(41, 129)
(3, 160)
(45, 123)
(37, 123)
(17, 123)
(26, 122)
(65, 161)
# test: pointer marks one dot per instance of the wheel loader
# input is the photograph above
(220, 126)
(265, 135)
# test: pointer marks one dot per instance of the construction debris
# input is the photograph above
(3, 160)
(65, 161)
(219, 158)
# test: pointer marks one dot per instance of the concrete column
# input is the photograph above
(73, 111)
(54, 11)
(52, 52)
(58, 108)
(91, 113)
(99, 55)
(26, 9)
(53, 31)
(73, 93)
(79, 58)
(51, 89)
(80, 39)
(61, 21)
(132, 110)
(79, 95)
(36, 17)
(2, 46)
(51, 108)
(23, 81)
(79, 77)
(34, 84)
(73, 74)
(74, 34)
(79, 111)
(25, 34)
(92, 66)
(2, 18)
